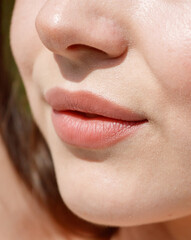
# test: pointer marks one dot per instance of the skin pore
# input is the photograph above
(141, 184)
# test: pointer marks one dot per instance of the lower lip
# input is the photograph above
(100, 132)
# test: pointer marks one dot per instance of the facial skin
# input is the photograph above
(142, 179)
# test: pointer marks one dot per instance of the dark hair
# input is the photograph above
(25, 145)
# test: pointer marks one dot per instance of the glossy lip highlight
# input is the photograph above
(111, 123)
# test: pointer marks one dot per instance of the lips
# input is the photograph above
(86, 120)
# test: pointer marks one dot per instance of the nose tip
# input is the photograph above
(65, 28)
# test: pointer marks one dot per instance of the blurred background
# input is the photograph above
(7, 62)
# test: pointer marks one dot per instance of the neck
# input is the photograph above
(18, 207)
(177, 229)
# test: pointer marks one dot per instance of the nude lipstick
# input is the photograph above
(86, 120)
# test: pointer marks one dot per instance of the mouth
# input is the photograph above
(86, 115)
(85, 120)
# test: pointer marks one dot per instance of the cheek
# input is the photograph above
(168, 51)
(171, 64)
(25, 42)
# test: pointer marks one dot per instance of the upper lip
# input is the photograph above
(83, 101)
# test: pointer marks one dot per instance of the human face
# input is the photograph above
(135, 54)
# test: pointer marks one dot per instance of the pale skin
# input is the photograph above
(145, 179)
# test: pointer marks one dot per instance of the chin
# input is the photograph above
(116, 216)
(111, 208)
(119, 193)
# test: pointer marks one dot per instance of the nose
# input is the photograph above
(74, 28)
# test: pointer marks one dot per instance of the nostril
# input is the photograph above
(85, 54)
(75, 47)
(85, 48)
